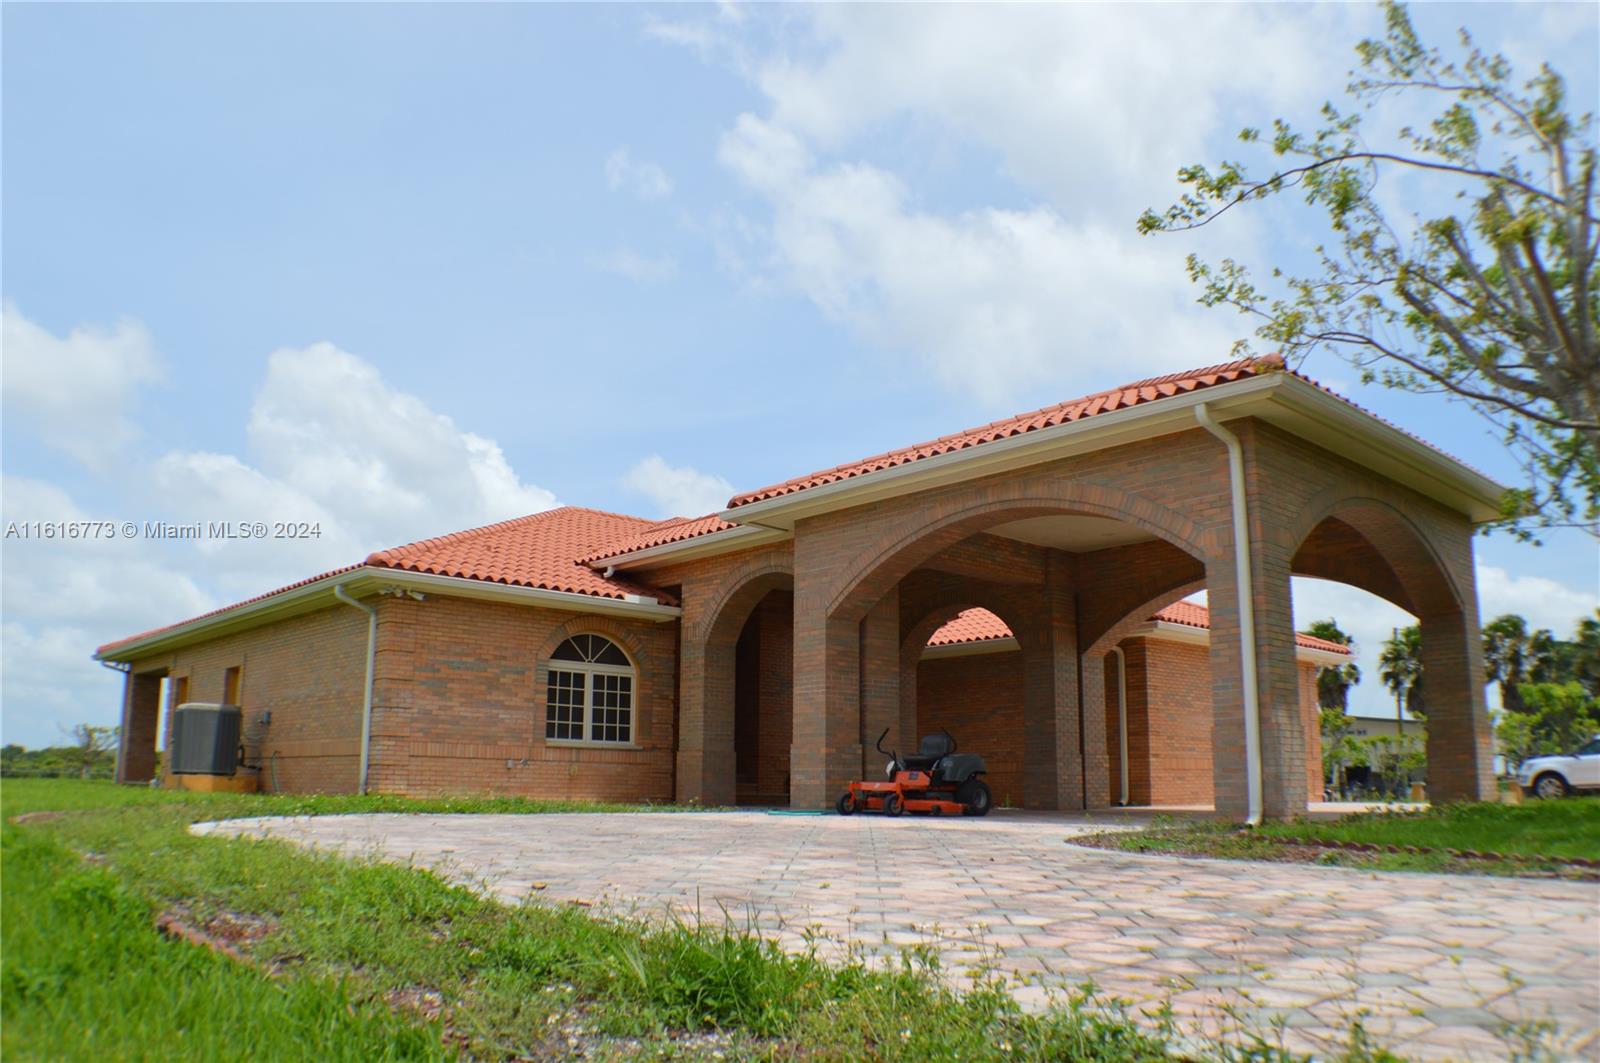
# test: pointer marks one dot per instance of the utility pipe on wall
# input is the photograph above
(1247, 612)
(1122, 719)
(366, 696)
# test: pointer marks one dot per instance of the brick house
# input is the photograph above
(1022, 583)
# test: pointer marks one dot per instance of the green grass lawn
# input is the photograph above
(84, 974)
(1545, 832)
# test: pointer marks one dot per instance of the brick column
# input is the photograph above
(1283, 739)
(141, 714)
(879, 670)
(1053, 771)
(826, 753)
(1460, 737)
(1283, 745)
(706, 759)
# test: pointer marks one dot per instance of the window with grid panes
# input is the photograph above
(589, 696)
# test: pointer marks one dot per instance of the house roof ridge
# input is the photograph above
(979, 435)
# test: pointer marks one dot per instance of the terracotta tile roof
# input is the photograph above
(980, 625)
(972, 625)
(226, 608)
(541, 550)
(1135, 394)
(668, 531)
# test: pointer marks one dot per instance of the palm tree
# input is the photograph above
(1335, 680)
(1586, 654)
(1400, 668)
(1513, 656)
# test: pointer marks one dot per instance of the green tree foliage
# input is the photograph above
(90, 754)
(1335, 680)
(1585, 655)
(1400, 668)
(1556, 718)
(1493, 301)
(1512, 656)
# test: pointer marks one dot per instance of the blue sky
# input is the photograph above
(405, 269)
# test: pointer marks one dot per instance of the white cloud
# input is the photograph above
(989, 299)
(75, 391)
(63, 597)
(329, 443)
(645, 180)
(1542, 602)
(678, 491)
(1092, 107)
(626, 262)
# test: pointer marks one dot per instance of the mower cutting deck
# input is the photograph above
(937, 781)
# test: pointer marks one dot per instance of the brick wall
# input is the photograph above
(979, 699)
(308, 672)
(459, 704)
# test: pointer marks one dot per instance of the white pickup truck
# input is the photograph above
(1559, 775)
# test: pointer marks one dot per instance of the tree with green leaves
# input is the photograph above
(1400, 668)
(1556, 718)
(1492, 300)
(1586, 654)
(1512, 655)
(1335, 680)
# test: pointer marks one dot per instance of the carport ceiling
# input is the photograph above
(1076, 534)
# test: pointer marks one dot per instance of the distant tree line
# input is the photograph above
(90, 753)
(1549, 688)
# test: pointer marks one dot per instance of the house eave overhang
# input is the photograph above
(371, 580)
(1165, 631)
(1281, 399)
(743, 537)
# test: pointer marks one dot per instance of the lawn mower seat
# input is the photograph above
(933, 749)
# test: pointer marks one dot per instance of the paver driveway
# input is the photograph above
(1439, 962)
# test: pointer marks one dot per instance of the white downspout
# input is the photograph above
(366, 696)
(1247, 612)
(1122, 719)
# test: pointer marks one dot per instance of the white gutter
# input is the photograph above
(314, 595)
(1279, 397)
(1147, 418)
(743, 536)
(1122, 719)
(1247, 612)
(366, 696)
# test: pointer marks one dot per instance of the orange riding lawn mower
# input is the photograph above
(937, 781)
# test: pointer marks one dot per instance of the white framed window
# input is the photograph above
(589, 693)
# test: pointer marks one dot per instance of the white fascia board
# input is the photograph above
(635, 606)
(293, 602)
(971, 649)
(1145, 421)
(1164, 631)
(370, 580)
(1277, 398)
(727, 540)
(1332, 423)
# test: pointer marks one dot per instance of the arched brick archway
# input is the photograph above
(1098, 678)
(876, 570)
(707, 755)
(843, 590)
(1369, 543)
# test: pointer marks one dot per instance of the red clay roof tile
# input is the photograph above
(668, 531)
(980, 625)
(1061, 413)
(539, 551)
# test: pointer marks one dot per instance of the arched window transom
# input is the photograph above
(590, 693)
